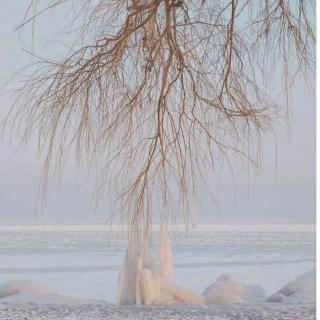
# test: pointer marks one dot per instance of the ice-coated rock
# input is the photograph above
(301, 290)
(226, 289)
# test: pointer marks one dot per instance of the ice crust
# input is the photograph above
(226, 289)
(24, 292)
(301, 290)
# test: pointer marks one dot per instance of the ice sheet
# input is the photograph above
(84, 261)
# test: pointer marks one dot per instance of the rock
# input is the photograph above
(301, 290)
(226, 289)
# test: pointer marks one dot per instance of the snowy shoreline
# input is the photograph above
(177, 312)
(58, 259)
(226, 290)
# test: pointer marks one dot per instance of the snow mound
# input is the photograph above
(301, 290)
(23, 292)
(226, 289)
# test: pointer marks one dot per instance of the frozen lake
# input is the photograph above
(83, 261)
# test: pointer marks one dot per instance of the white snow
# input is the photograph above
(24, 292)
(301, 290)
(157, 290)
(83, 261)
(226, 289)
(169, 312)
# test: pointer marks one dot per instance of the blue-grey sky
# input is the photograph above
(281, 190)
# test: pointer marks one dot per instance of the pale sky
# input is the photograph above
(285, 193)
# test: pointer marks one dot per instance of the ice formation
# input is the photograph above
(144, 279)
(194, 217)
(226, 289)
(301, 290)
(165, 254)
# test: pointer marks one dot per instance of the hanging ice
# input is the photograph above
(165, 253)
(141, 283)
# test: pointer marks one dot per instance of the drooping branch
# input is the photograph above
(159, 90)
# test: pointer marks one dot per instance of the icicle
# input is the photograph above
(165, 253)
(120, 285)
(128, 289)
(194, 217)
(126, 293)
(139, 280)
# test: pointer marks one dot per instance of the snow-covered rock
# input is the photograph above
(22, 292)
(226, 289)
(301, 290)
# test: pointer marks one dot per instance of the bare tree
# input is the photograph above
(157, 91)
